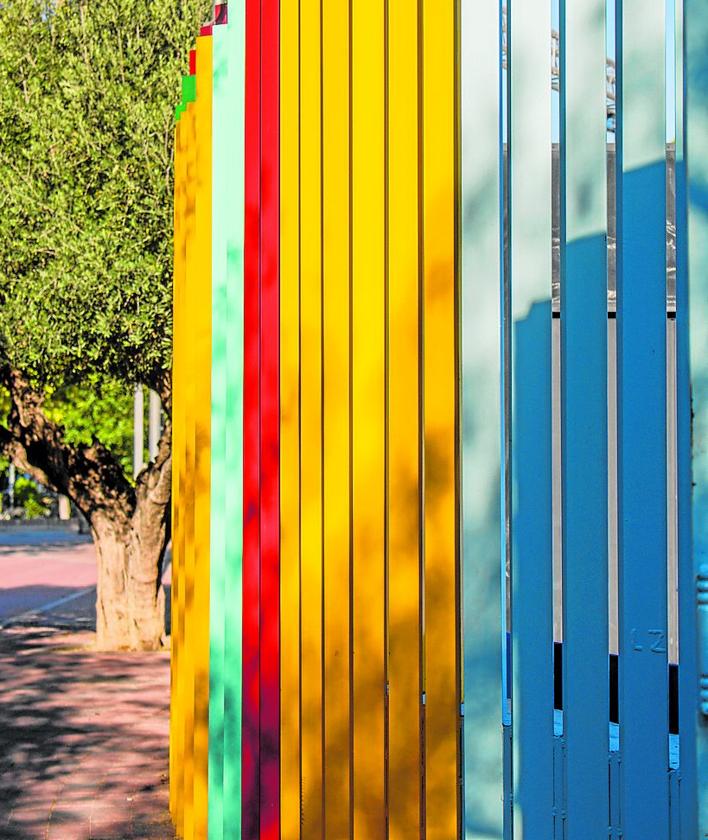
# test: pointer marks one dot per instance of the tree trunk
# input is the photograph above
(130, 525)
(130, 598)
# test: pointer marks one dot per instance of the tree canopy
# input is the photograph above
(87, 95)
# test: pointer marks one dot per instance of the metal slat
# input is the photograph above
(232, 184)
(217, 508)
(250, 742)
(642, 458)
(692, 305)
(311, 418)
(440, 419)
(584, 417)
(290, 419)
(530, 229)
(336, 419)
(368, 418)
(481, 425)
(269, 626)
(202, 430)
(403, 424)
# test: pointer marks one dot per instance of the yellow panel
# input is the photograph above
(289, 423)
(368, 392)
(176, 710)
(202, 403)
(187, 681)
(336, 252)
(404, 534)
(441, 678)
(311, 418)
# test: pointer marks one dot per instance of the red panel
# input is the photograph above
(270, 415)
(192, 62)
(251, 434)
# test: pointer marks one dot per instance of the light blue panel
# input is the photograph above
(642, 461)
(217, 551)
(233, 187)
(584, 417)
(532, 619)
(481, 419)
(694, 308)
(530, 123)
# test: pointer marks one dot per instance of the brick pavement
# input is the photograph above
(83, 739)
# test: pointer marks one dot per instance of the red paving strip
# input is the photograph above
(83, 740)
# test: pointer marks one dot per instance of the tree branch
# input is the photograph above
(89, 475)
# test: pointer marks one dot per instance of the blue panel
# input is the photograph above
(585, 546)
(641, 364)
(696, 296)
(532, 621)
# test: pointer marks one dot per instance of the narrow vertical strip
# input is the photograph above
(218, 525)
(231, 183)
(270, 398)
(439, 237)
(290, 420)
(202, 420)
(368, 392)
(585, 690)
(481, 432)
(176, 710)
(189, 524)
(641, 366)
(335, 290)
(692, 310)
(403, 491)
(311, 416)
(250, 780)
(530, 136)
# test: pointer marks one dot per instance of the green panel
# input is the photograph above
(232, 185)
(220, 221)
(227, 429)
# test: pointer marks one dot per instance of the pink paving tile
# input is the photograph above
(83, 754)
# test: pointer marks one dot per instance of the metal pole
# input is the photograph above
(138, 429)
(154, 423)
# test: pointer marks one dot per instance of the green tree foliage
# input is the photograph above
(87, 94)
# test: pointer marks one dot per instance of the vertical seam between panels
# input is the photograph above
(458, 403)
(299, 375)
(386, 476)
(421, 422)
(323, 625)
(351, 427)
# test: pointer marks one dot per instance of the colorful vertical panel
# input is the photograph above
(481, 452)
(583, 367)
(310, 198)
(528, 43)
(363, 424)
(403, 468)
(290, 419)
(251, 767)
(642, 464)
(336, 372)
(368, 419)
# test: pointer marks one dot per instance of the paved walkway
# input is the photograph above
(83, 735)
